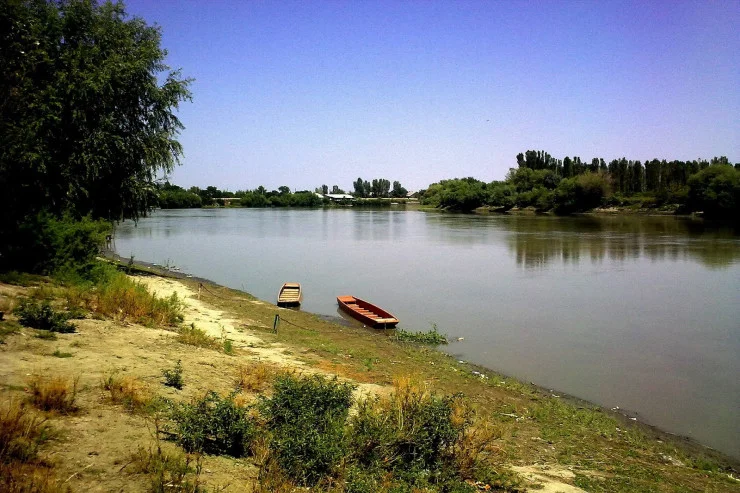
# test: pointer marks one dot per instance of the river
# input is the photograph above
(637, 312)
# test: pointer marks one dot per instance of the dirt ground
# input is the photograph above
(94, 449)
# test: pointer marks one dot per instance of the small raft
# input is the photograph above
(290, 294)
(367, 313)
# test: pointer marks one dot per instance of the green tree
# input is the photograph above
(87, 117)
(398, 190)
(716, 191)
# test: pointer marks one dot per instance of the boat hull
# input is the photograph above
(367, 313)
(290, 295)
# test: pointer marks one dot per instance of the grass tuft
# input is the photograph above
(130, 392)
(168, 471)
(194, 336)
(61, 354)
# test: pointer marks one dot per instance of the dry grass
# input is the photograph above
(254, 377)
(54, 394)
(6, 304)
(22, 433)
(130, 392)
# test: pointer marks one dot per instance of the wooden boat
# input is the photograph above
(367, 313)
(290, 294)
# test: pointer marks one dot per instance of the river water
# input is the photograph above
(637, 312)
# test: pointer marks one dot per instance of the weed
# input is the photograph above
(168, 472)
(173, 377)
(307, 417)
(130, 392)
(197, 337)
(228, 347)
(254, 377)
(54, 394)
(42, 316)
(60, 354)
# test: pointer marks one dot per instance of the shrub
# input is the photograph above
(213, 425)
(173, 377)
(307, 417)
(42, 316)
(413, 430)
(54, 394)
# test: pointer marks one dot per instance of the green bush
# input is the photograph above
(413, 433)
(46, 244)
(213, 424)
(43, 316)
(306, 417)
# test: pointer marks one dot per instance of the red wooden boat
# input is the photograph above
(367, 313)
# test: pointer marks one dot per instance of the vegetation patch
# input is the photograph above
(55, 394)
(306, 417)
(130, 392)
(61, 354)
(194, 336)
(168, 471)
(214, 425)
(173, 377)
(431, 337)
(42, 316)
(254, 377)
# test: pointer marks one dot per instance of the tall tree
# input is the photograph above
(85, 122)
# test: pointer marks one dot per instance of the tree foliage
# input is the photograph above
(716, 191)
(86, 112)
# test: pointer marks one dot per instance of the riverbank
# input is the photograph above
(539, 437)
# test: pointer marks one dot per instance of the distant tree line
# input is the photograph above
(379, 187)
(175, 197)
(571, 185)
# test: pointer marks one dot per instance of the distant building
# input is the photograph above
(336, 197)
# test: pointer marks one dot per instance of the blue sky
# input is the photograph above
(313, 92)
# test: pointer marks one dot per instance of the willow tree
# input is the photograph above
(87, 112)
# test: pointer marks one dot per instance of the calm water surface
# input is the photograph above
(637, 312)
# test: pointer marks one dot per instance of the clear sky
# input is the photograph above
(313, 92)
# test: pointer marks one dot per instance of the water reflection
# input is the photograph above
(536, 242)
